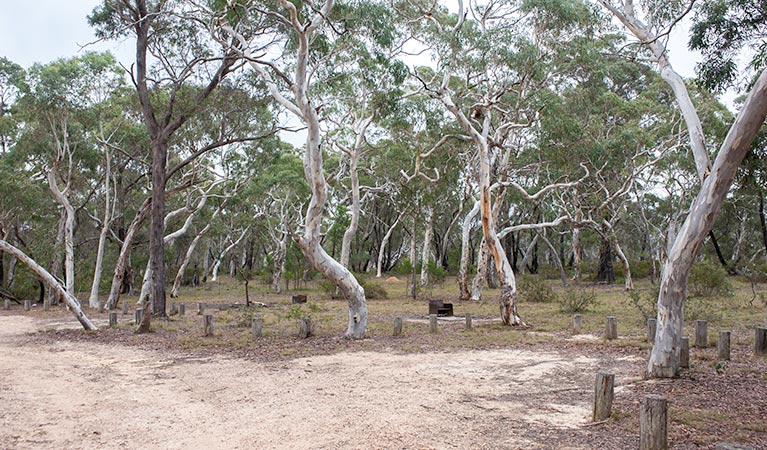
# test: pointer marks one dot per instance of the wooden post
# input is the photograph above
(652, 325)
(27, 305)
(611, 331)
(701, 333)
(207, 325)
(46, 304)
(653, 423)
(603, 396)
(577, 323)
(760, 341)
(173, 309)
(200, 309)
(112, 318)
(138, 315)
(433, 323)
(7, 304)
(723, 345)
(181, 309)
(468, 321)
(397, 327)
(125, 308)
(257, 327)
(305, 328)
(101, 306)
(684, 353)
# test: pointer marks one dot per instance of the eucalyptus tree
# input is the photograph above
(305, 34)
(490, 61)
(12, 86)
(715, 180)
(173, 52)
(64, 110)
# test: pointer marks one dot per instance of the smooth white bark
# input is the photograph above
(384, 243)
(463, 268)
(93, 299)
(69, 299)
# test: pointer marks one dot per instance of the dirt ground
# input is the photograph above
(57, 392)
(76, 395)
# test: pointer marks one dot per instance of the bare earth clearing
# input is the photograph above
(93, 395)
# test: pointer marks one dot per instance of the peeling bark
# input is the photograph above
(463, 270)
(664, 359)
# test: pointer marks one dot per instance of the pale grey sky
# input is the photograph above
(34, 31)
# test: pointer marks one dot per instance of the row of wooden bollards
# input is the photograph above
(433, 324)
(653, 413)
(701, 338)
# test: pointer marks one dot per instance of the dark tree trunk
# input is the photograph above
(157, 233)
(533, 268)
(719, 254)
(606, 273)
(763, 221)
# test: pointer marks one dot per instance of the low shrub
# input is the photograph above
(534, 289)
(707, 280)
(576, 300)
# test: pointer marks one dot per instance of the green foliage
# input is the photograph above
(436, 273)
(373, 291)
(535, 289)
(577, 300)
(645, 302)
(721, 29)
(708, 279)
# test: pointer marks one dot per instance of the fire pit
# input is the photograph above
(440, 308)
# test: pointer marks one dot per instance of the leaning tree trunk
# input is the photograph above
(384, 242)
(57, 261)
(188, 258)
(93, 299)
(426, 252)
(122, 260)
(625, 263)
(664, 359)
(71, 301)
(463, 270)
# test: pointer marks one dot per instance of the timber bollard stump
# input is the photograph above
(47, 304)
(112, 319)
(723, 346)
(125, 308)
(7, 304)
(652, 327)
(207, 325)
(653, 423)
(468, 321)
(760, 341)
(577, 323)
(611, 330)
(181, 309)
(297, 299)
(397, 327)
(433, 323)
(604, 391)
(684, 353)
(257, 327)
(138, 315)
(173, 309)
(200, 309)
(101, 306)
(27, 305)
(305, 328)
(701, 333)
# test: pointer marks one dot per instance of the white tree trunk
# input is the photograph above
(463, 269)
(384, 242)
(426, 251)
(528, 254)
(279, 263)
(624, 262)
(664, 359)
(217, 262)
(354, 156)
(187, 259)
(122, 260)
(69, 231)
(479, 277)
(71, 300)
(93, 299)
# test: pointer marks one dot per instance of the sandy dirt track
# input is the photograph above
(70, 395)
